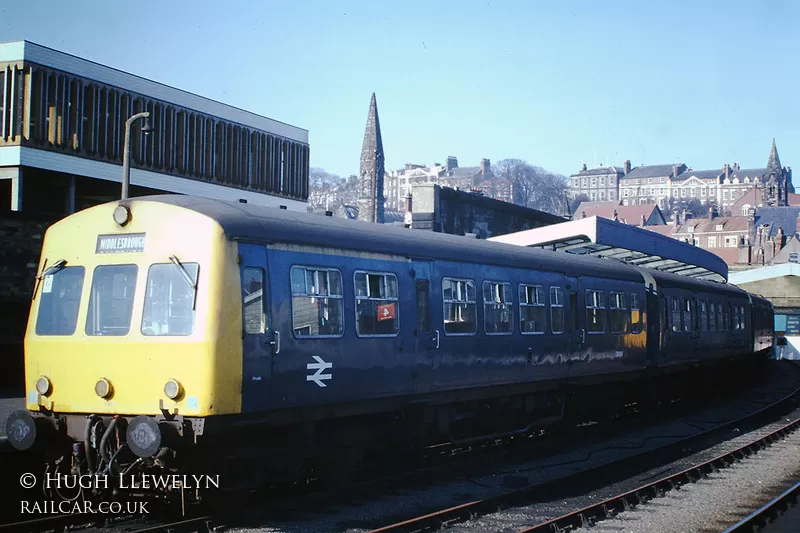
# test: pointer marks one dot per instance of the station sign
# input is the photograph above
(793, 325)
(115, 244)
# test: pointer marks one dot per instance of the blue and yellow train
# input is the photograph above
(169, 332)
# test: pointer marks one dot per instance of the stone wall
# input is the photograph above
(21, 236)
(447, 210)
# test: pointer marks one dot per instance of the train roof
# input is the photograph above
(249, 222)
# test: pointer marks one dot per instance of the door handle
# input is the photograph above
(437, 338)
(276, 343)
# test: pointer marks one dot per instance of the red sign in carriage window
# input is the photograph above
(385, 312)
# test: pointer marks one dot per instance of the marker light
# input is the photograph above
(103, 388)
(173, 389)
(122, 215)
(43, 386)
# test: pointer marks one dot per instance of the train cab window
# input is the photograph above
(636, 314)
(317, 303)
(60, 300)
(458, 296)
(497, 308)
(712, 317)
(111, 300)
(255, 320)
(376, 304)
(595, 311)
(703, 316)
(676, 315)
(531, 309)
(618, 312)
(687, 314)
(556, 310)
(169, 299)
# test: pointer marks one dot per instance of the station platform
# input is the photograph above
(602, 237)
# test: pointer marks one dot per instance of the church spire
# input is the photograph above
(370, 201)
(774, 163)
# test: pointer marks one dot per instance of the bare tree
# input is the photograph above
(323, 189)
(534, 186)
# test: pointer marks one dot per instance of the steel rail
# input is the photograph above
(436, 520)
(756, 520)
(64, 521)
(592, 514)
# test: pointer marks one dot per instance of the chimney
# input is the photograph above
(486, 166)
(710, 212)
(643, 220)
(684, 216)
(583, 167)
(736, 166)
(779, 238)
(676, 218)
(408, 203)
(674, 171)
(727, 171)
(452, 162)
(627, 166)
(616, 215)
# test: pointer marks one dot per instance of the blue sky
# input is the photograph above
(554, 83)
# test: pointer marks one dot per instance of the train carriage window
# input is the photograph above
(729, 317)
(636, 314)
(169, 299)
(460, 309)
(253, 300)
(497, 308)
(317, 302)
(618, 314)
(556, 310)
(720, 318)
(703, 316)
(676, 315)
(743, 317)
(737, 324)
(111, 300)
(712, 317)
(687, 315)
(531, 309)
(60, 300)
(595, 311)
(376, 304)
(423, 313)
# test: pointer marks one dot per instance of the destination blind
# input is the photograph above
(114, 244)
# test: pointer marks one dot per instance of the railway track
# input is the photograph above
(591, 515)
(769, 513)
(58, 523)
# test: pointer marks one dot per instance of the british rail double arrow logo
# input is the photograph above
(320, 366)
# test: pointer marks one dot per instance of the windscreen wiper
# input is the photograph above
(187, 277)
(47, 271)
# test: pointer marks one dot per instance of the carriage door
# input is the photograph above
(427, 337)
(259, 343)
(575, 324)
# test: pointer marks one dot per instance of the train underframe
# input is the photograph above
(186, 458)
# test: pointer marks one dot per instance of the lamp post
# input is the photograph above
(126, 154)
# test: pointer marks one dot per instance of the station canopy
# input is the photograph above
(609, 239)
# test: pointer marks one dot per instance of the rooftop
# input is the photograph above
(609, 239)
